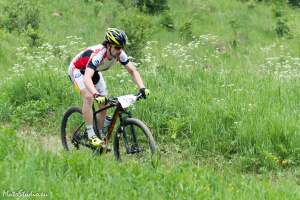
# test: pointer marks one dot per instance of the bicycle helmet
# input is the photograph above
(116, 37)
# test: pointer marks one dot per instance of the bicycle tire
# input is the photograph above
(132, 122)
(71, 111)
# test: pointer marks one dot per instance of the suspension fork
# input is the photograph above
(133, 133)
(129, 136)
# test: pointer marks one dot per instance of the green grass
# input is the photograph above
(212, 103)
(26, 166)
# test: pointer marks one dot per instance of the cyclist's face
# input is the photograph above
(115, 51)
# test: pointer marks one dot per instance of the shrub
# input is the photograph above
(186, 30)
(281, 28)
(152, 6)
(138, 30)
(19, 15)
(167, 22)
(34, 37)
(294, 2)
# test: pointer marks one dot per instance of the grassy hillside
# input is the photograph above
(81, 175)
(224, 84)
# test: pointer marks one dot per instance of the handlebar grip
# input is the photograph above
(139, 95)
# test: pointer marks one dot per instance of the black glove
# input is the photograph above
(145, 92)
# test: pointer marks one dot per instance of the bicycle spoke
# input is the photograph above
(135, 142)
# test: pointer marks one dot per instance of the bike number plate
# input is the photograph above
(127, 100)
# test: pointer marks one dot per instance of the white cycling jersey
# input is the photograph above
(96, 58)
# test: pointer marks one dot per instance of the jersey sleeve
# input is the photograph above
(123, 58)
(96, 59)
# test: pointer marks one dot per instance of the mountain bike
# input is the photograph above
(131, 138)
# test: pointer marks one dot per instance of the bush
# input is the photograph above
(138, 30)
(19, 15)
(152, 6)
(281, 28)
(294, 2)
(186, 31)
(34, 37)
(167, 22)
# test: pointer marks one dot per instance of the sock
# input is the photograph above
(90, 131)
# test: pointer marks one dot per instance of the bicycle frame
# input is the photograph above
(117, 114)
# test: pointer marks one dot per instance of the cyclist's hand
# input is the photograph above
(145, 92)
(99, 99)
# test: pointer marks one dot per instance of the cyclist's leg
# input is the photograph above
(87, 97)
(101, 88)
(87, 110)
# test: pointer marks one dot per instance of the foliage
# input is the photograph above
(234, 27)
(34, 37)
(138, 29)
(21, 15)
(152, 6)
(291, 2)
(167, 22)
(186, 30)
(282, 29)
(218, 114)
(23, 158)
(294, 2)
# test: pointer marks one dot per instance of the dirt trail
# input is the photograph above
(48, 142)
(51, 143)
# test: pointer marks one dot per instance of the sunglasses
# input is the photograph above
(117, 47)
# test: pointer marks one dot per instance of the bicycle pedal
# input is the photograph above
(134, 150)
(106, 148)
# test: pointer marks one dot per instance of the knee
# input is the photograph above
(88, 98)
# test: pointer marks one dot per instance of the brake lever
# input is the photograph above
(139, 96)
(113, 101)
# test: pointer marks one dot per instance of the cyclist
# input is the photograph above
(85, 74)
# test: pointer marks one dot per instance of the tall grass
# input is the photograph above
(25, 167)
(224, 87)
(208, 95)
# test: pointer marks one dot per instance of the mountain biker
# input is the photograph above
(85, 74)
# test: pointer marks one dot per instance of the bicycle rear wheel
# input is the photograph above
(134, 140)
(72, 128)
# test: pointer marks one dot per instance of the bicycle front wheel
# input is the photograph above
(133, 140)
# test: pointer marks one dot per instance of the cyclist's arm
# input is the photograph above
(124, 60)
(89, 72)
(135, 75)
